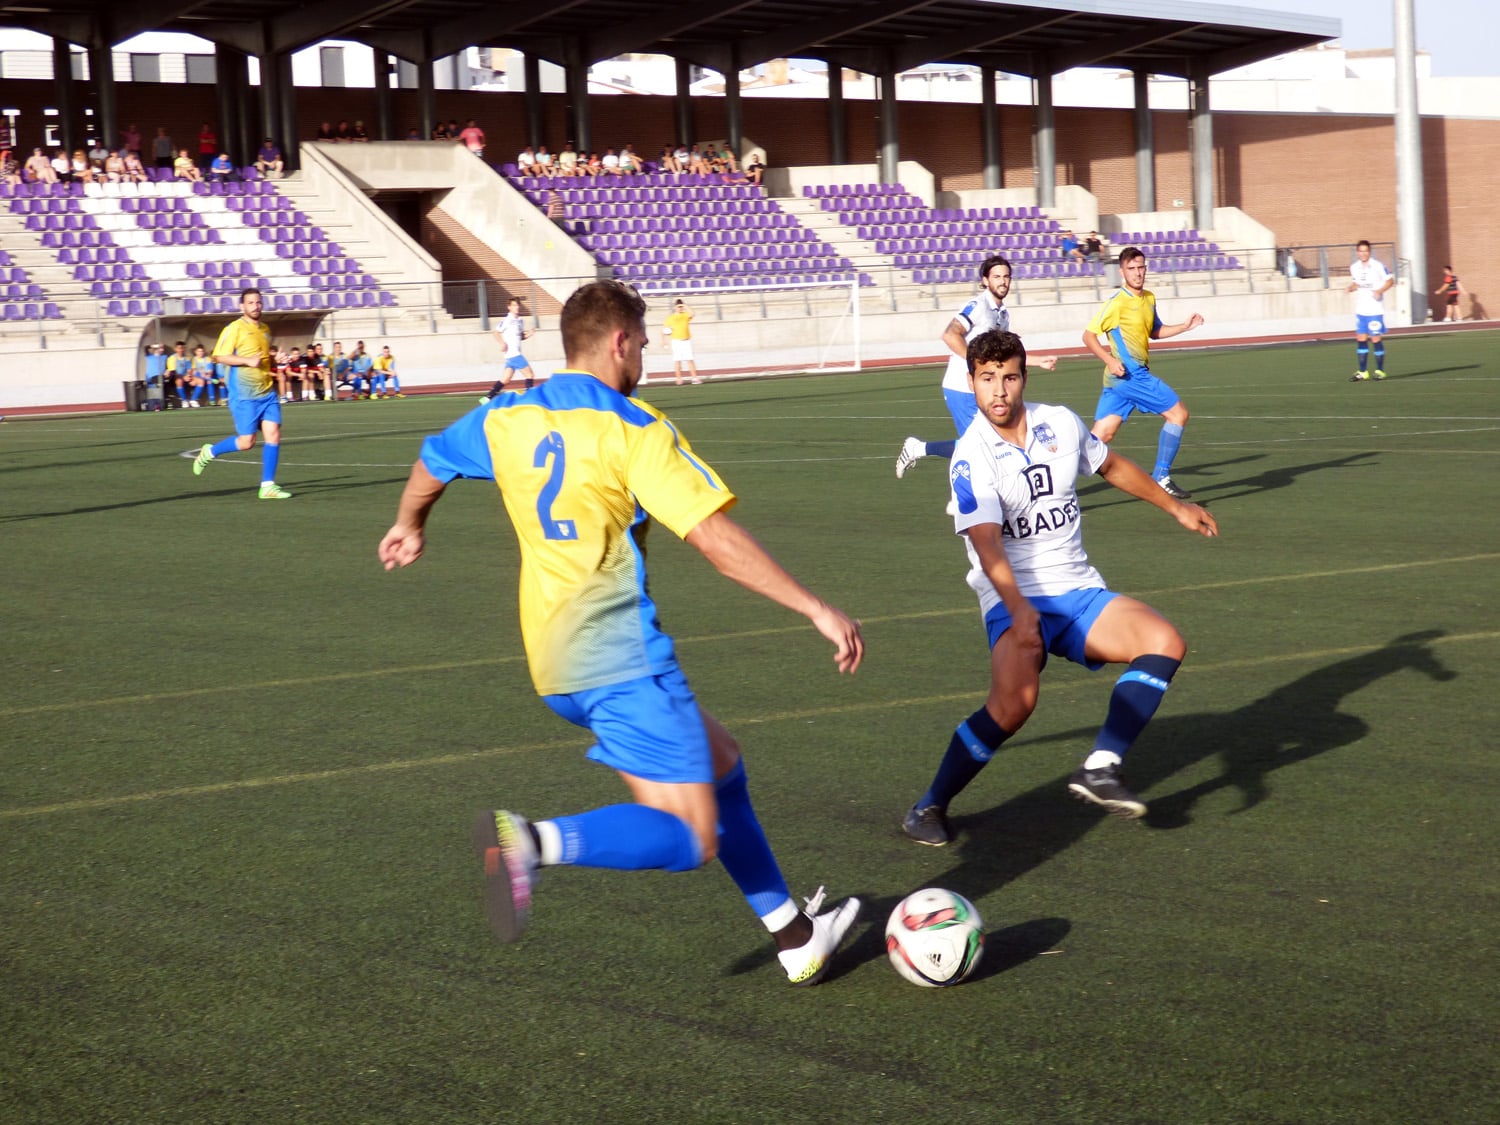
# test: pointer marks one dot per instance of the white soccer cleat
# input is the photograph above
(912, 451)
(806, 964)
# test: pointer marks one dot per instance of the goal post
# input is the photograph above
(786, 327)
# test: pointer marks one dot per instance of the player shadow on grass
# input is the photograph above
(1001, 844)
(1099, 487)
(140, 502)
(1268, 481)
(1392, 376)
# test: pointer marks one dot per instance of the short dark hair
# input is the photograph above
(1365, 242)
(991, 262)
(596, 309)
(1130, 254)
(995, 346)
(246, 292)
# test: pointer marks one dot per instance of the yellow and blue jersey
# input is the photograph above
(243, 337)
(583, 471)
(1127, 322)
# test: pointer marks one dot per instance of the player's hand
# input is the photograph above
(844, 632)
(401, 546)
(1115, 367)
(1201, 520)
(1046, 362)
(1194, 321)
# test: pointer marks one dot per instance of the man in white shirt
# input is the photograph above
(1015, 479)
(509, 333)
(1368, 278)
(980, 314)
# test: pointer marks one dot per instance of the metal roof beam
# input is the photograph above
(954, 44)
(803, 37)
(1093, 51)
(665, 23)
(1268, 48)
(490, 28)
(329, 19)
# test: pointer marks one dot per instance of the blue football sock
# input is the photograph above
(377, 384)
(228, 445)
(969, 751)
(1363, 352)
(1380, 356)
(269, 455)
(198, 393)
(743, 849)
(629, 838)
(940, 448)
(1138, 693)
(1166, 449)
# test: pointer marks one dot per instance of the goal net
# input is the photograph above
(759, 330)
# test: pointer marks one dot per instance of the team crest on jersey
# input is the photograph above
(961, 478)
(1044, 436)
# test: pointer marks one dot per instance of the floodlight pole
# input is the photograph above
(1411, 229)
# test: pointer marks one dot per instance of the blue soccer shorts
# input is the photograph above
(963, 406)
(249, 413)
(1143, 391)
(1066, 621)
(650, 728)
(1369, 325)
(517, 363)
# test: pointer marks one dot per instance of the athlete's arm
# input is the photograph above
(737, 555)
(954, 336)
(1112, 363)
(1129, 477)
(989, 544)
(402, 545)
(1167, 331)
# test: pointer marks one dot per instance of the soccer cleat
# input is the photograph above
(1358, 377)
(503, 841)
(912, 451)
(1176, 492)
(1106, 788)
(205, 455)
(806, 964)
(927, 826)
(483, 399)
(398, 394)
(1379, 374)
(696, 380)
(274, 491)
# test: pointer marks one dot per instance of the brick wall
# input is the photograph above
(1311, 178)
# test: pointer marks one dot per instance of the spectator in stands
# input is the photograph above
(10, 169)
(755, 166)
(221, 171)
(630, 163)
(39, 168)
(440, 132)
(156, 373)
(98, 155)
(1451, 292)
(610, 164)
(677, 334)
(343, 134)
(473, 138)
(208, 147)
(595, 166)
(1071, 250)
(567, 161)
(1093, 247)
(544, 165)
(80, 168)
(715, 160)
(114, 167)
(695, 162)
(62, 167)
(358, 135)
(163, 152)
(130, 140)
(666, 161)
(526, 161)
(414, 134)
(135, 171)
(387, 382)
(183, 168)
(454, 132)
(326, 132)
(682, 157)
(268, 161)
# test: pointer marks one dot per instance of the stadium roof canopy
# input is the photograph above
(1028, 37)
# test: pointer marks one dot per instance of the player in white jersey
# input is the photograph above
(1369, 278)
(1014, 475)
(983, 313)
(509, 333)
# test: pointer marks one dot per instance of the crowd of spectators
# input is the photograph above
(177, 378)
(126, 162)
(706, 159)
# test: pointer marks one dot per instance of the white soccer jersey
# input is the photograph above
(510, 332)
(1369, 276)
(979, 315)
(1032, 494)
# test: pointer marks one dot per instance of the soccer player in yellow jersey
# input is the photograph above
(244, 347)
(1129, 322)
(584, 470)
(679, 332)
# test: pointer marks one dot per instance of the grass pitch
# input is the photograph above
(240, 763)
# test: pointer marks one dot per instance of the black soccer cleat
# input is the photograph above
(1106, 788)
(927, 826)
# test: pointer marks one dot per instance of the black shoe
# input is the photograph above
(1106, 788)
(927, 826)
(1175, 491)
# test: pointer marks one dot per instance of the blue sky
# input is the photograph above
(1455, 32)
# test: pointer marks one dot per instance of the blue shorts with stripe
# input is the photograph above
(1369, 325)
(1066, 621)
(1142, 391)
(249, 413)
(650, 728)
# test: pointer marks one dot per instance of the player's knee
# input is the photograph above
(244, 441)
(1169, 643)
(1178, 415)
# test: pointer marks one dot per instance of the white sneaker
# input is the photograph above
(912, 451)
(806, 964)
(503, 841)
(286, 398)
(483, 399)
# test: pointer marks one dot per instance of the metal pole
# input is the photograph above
(1202, 123)
(989, 121)
(1045, 131)
(683, 103)
(838, 128)
(1145, 145)
(889, 130)
(1410, 204)
(531, 69)
(67, 105)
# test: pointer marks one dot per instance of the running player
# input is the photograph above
(245, 348)
(981, 314)
(1015, 478)
(509, 333)
(583, 469)
(1369, 278)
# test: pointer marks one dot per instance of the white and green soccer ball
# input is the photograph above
(934, 937)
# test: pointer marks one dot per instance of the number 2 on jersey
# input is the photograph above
(552, 446)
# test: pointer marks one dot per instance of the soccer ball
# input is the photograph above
(934, 938)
